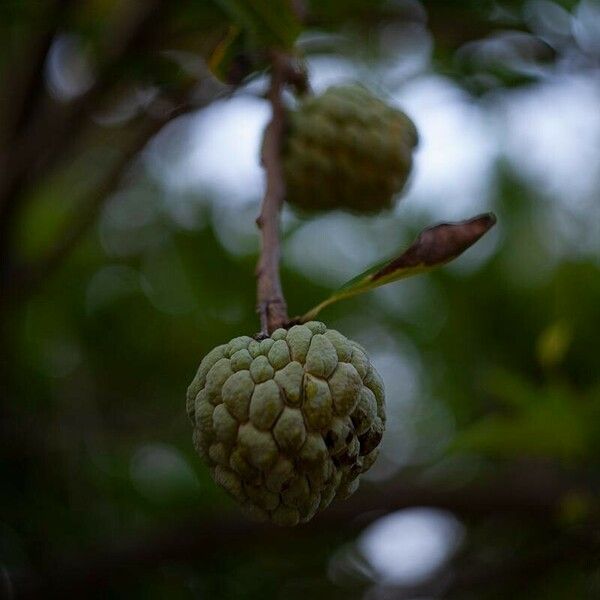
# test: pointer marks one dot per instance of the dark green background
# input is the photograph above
(497, 388)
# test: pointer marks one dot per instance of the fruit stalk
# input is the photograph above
(271, 306)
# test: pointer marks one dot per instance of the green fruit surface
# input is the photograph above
(289, 423)
(347, 149)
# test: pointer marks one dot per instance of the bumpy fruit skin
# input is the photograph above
(347, 149)
(289, 423)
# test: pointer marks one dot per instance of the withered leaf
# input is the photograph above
(434, 246)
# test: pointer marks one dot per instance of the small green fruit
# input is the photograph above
(289, 423)
(347, 149)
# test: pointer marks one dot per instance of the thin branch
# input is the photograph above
(18, 281)
(54, 126)
(271, 302)
(54, 123)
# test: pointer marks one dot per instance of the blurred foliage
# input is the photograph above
(95, 363)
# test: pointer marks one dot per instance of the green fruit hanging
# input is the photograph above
(288, 423)
(347, 149)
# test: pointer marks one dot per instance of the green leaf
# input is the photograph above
(228, 61)
(271, 23)
(435, 246)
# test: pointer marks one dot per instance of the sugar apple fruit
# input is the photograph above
(347, 149)
(289, 423)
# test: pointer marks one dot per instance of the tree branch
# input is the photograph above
(271, 302)
(18, 281)
(470, 577)
(53, 126)
(27, 278)
(25, 74)
(533, 494)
